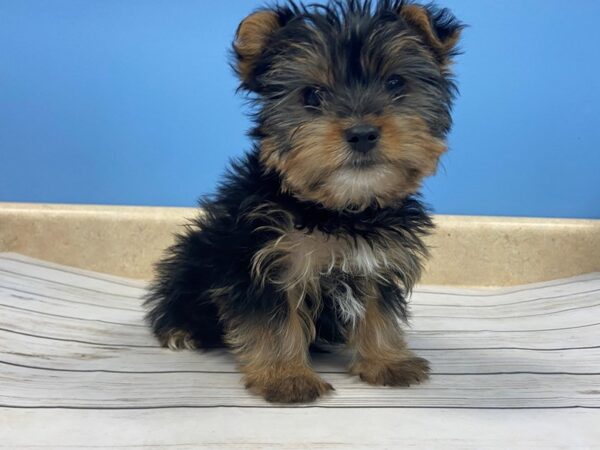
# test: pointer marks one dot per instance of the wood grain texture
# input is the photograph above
(75, 353)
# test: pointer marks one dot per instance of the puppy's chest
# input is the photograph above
(318, 254)
(341, 269)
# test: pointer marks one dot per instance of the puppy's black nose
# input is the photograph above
(362, 138)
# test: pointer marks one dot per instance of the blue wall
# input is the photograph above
(132, 102)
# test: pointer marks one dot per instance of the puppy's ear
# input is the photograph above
(438, 28)
(250, 41)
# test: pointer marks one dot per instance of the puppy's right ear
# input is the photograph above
(250, 41)
(438, 28)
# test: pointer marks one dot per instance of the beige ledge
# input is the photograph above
(467, 251)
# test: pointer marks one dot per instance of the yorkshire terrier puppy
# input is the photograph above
(315, 235)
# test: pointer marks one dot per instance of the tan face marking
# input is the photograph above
(318, 166)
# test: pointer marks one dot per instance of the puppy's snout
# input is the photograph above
(362, 138)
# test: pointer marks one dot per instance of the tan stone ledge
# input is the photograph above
(466, 250)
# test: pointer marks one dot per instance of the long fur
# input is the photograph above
(208, 272)
(307, 239)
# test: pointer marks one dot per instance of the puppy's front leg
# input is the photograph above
(381, 355)
(273, 353)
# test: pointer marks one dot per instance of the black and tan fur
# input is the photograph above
(310, 237)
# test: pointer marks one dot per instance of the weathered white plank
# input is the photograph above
(72, 339)
(79, 275)
(100, 390)
(309, 428)
(65, 355)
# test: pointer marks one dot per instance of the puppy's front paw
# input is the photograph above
(403, 372)
(289, 388)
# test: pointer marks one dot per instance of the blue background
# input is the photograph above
(132, 102)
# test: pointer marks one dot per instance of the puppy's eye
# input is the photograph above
(395, 82)
(312, 97)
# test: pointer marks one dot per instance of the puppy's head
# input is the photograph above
(353, 98)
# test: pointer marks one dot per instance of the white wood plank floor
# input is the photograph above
(512, 368)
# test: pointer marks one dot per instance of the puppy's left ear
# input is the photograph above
(251, 39)
(438, 28)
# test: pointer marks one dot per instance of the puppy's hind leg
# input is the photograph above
(182, 323)
(178, 339)
(181, 311)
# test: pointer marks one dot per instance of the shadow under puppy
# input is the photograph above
(315, 235)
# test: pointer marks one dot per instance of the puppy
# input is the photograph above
(315, 235)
